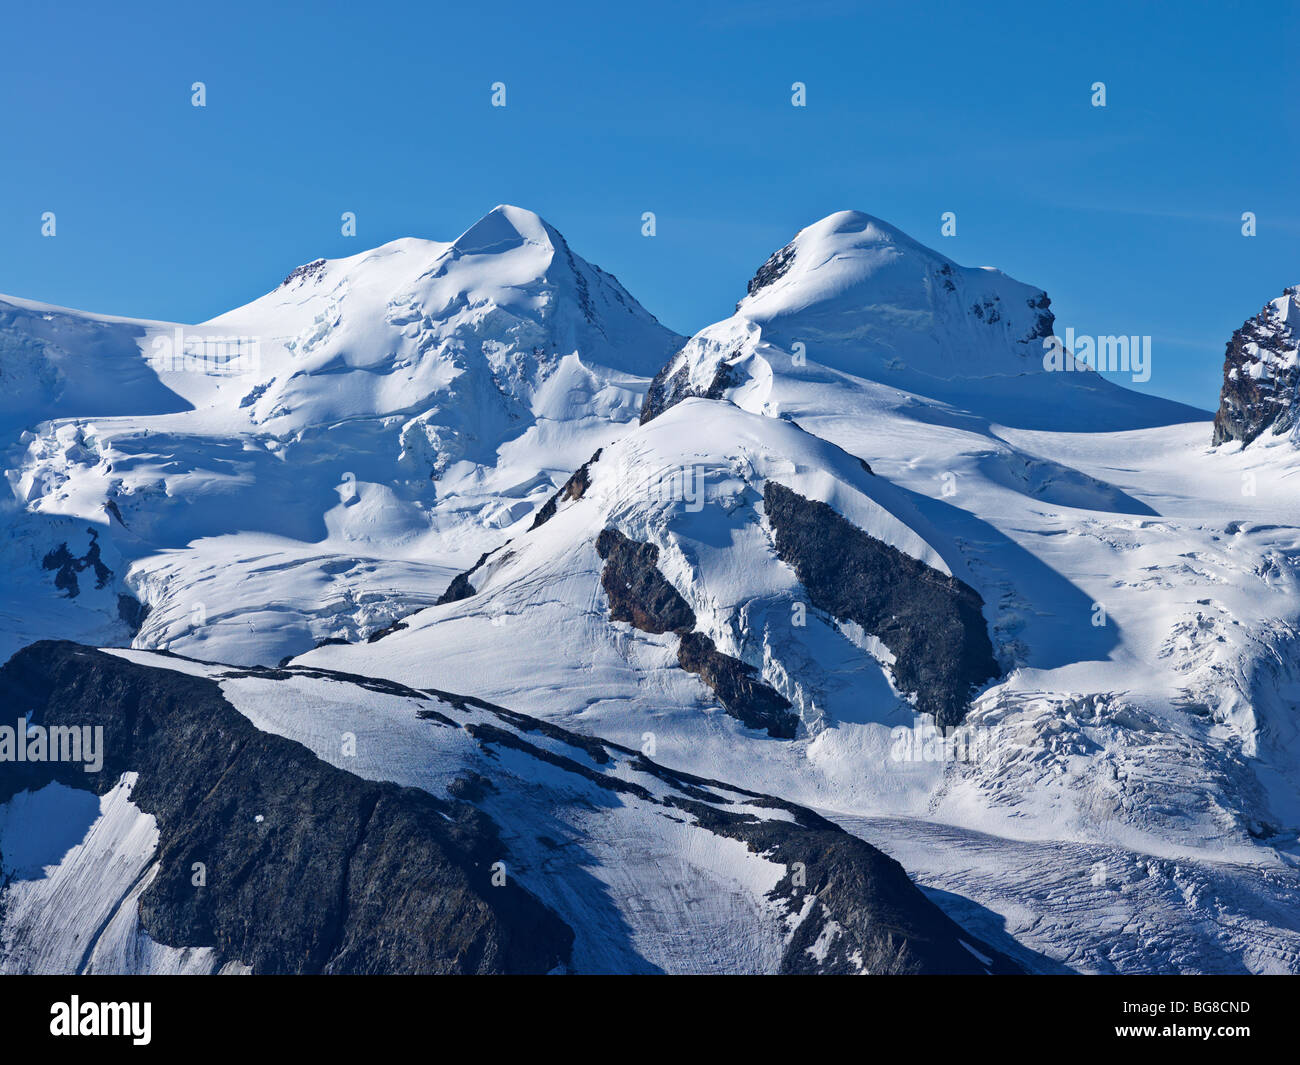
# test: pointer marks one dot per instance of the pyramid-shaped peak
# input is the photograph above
(505, 227)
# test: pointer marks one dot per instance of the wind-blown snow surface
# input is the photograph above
(1129, 799)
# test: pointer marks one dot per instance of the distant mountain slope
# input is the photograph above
(57, 363)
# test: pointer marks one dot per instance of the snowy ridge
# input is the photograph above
(643, 865)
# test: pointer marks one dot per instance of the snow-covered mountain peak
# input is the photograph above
(496, 311)
(506, 226)
(833, 254)
(855, 312)
(856, 296)
(849, 266)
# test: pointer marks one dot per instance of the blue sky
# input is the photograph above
(1128, 215)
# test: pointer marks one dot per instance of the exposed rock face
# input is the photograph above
(932, 623)
(867, 907)
(776, 267)
(313, 869)
(638, 592)
(672, 384)
(574, 488)
(302, 273)
(1261, 374)
(387, 630)
(640, 595)
(460, 587)
(310, 869)
(66, 566)
(132, 612)
(750, 701)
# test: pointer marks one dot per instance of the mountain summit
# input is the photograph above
(853, 303)
(858, 297)
(505, 227)
(495, 311)
(863, 294)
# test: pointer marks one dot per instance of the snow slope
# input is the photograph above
(72, 903)
(388, 416)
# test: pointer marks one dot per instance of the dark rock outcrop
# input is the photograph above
(310, 869)
(574, 488)
(868, 914)
(777, 266)
(748, 700)
(1046, 322)
(460, 587)
(132, 612)
(672, 384)
(302, 273)
(1261, 374)
(932, 623)
(638, 592)
(396, 625)
(640, 595)
(66, 566)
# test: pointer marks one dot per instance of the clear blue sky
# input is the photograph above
(1129, 215)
